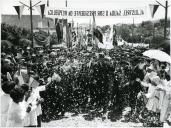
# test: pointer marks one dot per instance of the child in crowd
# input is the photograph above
(17, 110)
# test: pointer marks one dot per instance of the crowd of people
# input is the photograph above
(153, 95)
(43, 84)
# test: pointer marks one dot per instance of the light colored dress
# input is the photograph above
(153, 99)
(5, 104)
(166, 104)
(153, 94)
(16, 114)
(31, 118)
(162, 92)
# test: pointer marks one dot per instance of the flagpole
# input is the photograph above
(165, 23)
(77, 29)
(165, 20)
(31, 21)
(48, 19)
(31, 18)
(67, 28)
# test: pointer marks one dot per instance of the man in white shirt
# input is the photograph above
(33, 118)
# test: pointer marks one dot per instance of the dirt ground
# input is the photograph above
(79, 121)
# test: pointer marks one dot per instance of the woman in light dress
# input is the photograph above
(150, 115)
(159, 93)
(165, 95)
(152, 95)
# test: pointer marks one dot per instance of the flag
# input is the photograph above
(94, 31)
(47, 3)
(41, 43)
(56, 77)
(56, 21)
(33, 83)
(77, 29)
(90, 24)
(22, 76)
(72, 26)
(58, 31)
(111, 35)
(153, 9)
(48, 27)
(41, 10)
(9, 76)
(25, 77)
(65, 30)
(98, 35)
(66, 3)
(61, 27)
(69, 35)
(93, 25)
(48, 23)
(19, 10)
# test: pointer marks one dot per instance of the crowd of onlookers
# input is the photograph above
(154, 93)
(42, 84)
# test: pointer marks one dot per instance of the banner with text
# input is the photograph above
(81, 13)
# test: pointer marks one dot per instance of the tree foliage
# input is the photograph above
(13, 33)
(143, 33)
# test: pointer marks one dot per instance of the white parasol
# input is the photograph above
(158, 55)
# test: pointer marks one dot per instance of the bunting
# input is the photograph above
(69, 35)
(58, 31)
(33, 83)
(19, 10)
(66, 3)
(93, 30)
(93, 25)
(47, 3)
(65, 30)
(41, 10)
(153, 9)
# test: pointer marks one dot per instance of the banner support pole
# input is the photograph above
(31, 22)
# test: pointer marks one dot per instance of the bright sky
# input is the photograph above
(7, 8)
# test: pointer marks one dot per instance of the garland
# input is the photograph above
(41, 39)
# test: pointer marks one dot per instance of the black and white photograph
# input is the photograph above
(85, 63)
